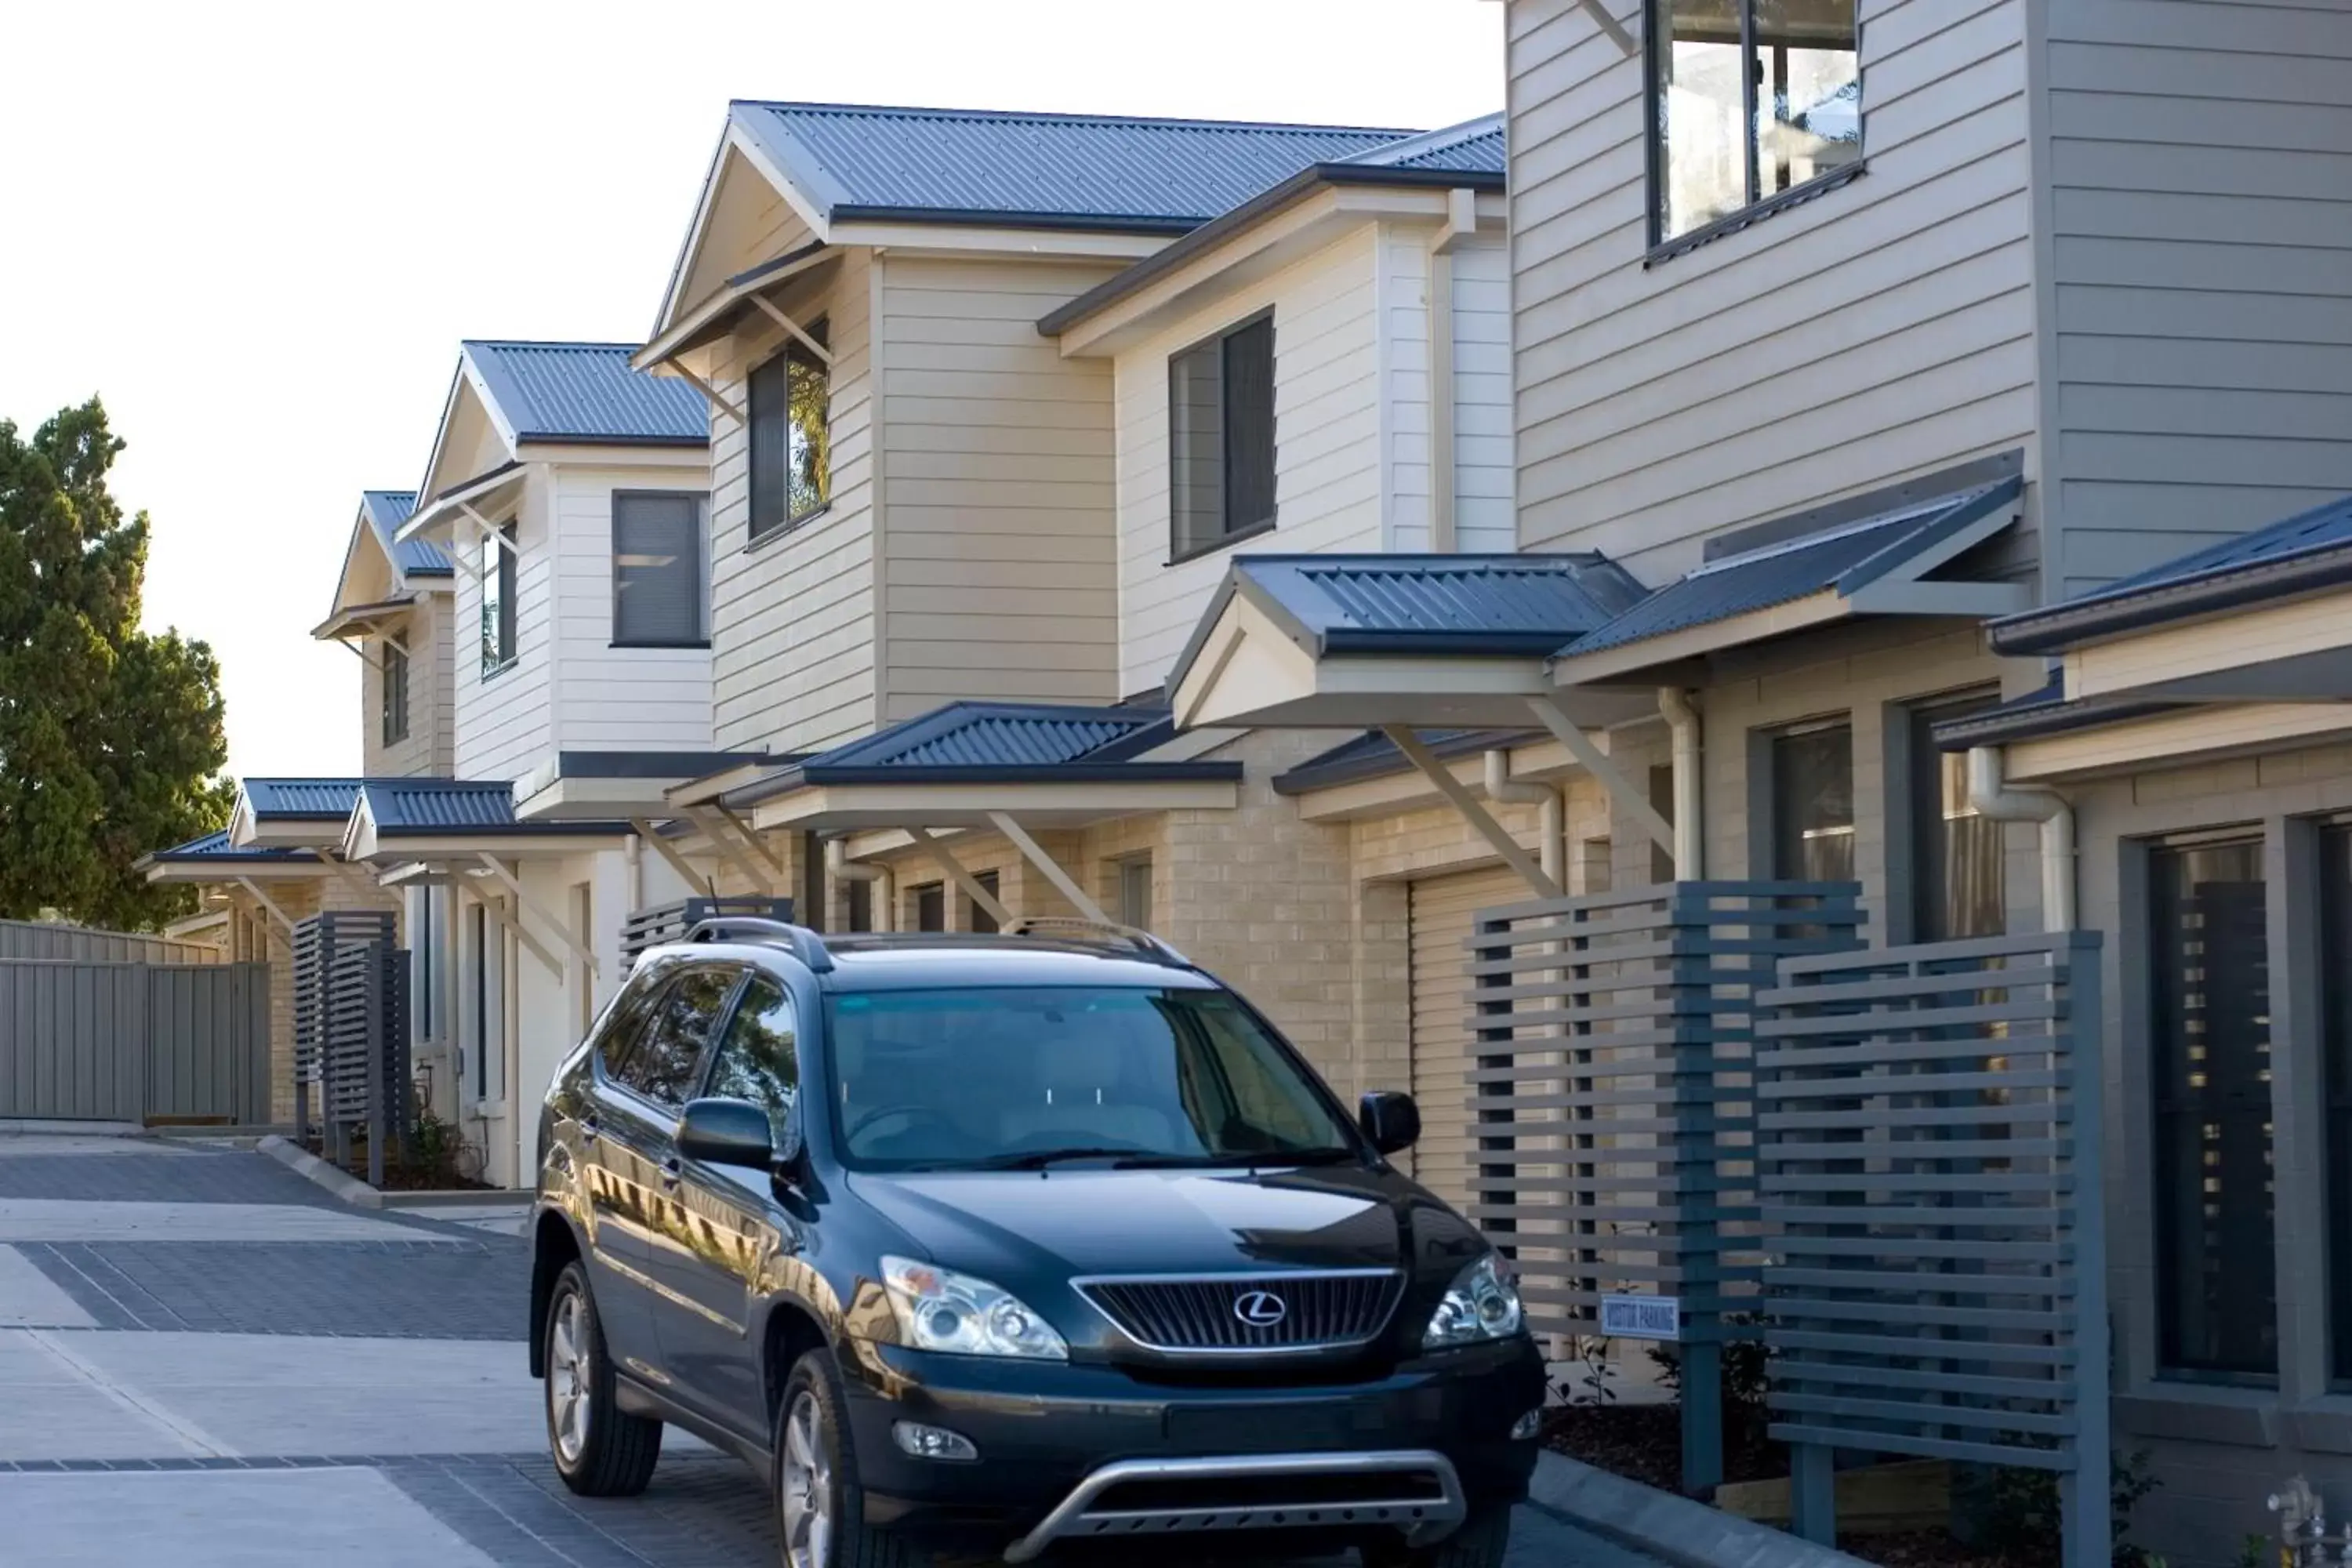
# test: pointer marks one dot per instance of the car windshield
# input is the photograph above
(1008, 1078)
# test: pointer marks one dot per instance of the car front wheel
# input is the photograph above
(600, 1449)
(1480, 1542)
(819, 1508)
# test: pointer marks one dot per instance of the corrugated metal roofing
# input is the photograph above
(586, 391)
(2322, 528)
(428, 804)
(1372, 754)
(386, 510)
(1782, 574)
(305, 798)
(1104, 168)
(216, 847)
(992, 734)
(1475, 147)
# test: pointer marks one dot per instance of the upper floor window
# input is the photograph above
(791, 453)
(1221, 439)
(657, 569)
(499, 600)
(395, 693)
(1747, 99)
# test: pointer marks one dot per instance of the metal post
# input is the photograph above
(1703, 1412)
(2083, 1496)
(378, 1124)
(1812, 1493)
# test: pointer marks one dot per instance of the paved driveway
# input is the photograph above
(205, 1360)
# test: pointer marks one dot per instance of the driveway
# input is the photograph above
(208, 1361)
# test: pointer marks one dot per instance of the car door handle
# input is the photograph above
(671, 1172)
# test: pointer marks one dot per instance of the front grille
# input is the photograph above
(1229, 1312)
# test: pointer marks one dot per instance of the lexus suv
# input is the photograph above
(1012, 1242)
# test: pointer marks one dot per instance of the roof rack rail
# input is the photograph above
(1142, 941)
(806, 944)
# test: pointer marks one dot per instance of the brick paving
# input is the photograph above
(477, 1288)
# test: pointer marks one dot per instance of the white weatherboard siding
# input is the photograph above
(1880, 332)
(1483, 518)
(431, 702)
(793, 618)
(504, 723)
(999, 576)
(1328, 444)
(2201, 166)
(617, 699)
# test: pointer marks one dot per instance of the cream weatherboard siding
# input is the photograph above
(999, 576)
(432, 709)
(1483, 516)
(794, 629)
(617, 699)
(505, 724)
(1439, 920)
(1884, 330)
(2200, 175)
(1328, 444)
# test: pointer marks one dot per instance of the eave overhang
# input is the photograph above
(1036, 801)
(484, 492)
(364, 620)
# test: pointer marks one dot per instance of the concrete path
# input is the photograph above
(207, 1360)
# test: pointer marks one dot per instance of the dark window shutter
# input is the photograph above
(1196, 449)
(1249, 426)
(657, 569)
(771, 396)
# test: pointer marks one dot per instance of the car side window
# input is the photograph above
(625, 1025)
(662, 1068)
(760, 1058)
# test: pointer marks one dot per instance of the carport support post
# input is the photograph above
(1813, 1491)
(1702, 1378)
(378, 1122)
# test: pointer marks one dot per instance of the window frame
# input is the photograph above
(789, 999)
(1759, 206)
(791, 353)
(506, 575)
(700, 501)
(721, 1020)
(392, 696)
(1913, 771)
(1177, 553)
(1772, 739)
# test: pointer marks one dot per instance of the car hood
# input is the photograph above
(1069, 1222)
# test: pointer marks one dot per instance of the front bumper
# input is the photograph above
(1043, 1429)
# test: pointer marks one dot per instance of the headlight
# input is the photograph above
(1483, 1303)
(939, 1309)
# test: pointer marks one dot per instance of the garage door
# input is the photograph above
(1442, 908)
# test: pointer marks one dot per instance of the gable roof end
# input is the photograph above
(386, 510)
(585, 394)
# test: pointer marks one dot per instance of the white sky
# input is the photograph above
(260, 231)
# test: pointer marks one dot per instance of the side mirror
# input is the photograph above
(726, 1133)
(1392, 1121)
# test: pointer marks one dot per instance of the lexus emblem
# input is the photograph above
(1261, 1308)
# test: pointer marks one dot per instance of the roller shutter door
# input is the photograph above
(1441, 912)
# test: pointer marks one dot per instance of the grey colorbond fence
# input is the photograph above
(1929, 1150)
(49, 940)
(1613, 1103)
(134, 1042)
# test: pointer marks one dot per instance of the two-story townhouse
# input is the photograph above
(1841, 327)
(394, 608)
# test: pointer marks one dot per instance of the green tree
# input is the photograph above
(111, 740)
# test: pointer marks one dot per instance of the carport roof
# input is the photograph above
(216, 849)
(305, 799)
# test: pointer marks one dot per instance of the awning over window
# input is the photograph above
(605, 785)
(430, 819)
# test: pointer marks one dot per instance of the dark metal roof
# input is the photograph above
(215, 846)
(1476, 146)
(651, 764)
(1064, 169)
(1372, 755)
(1844, 558)
(300, 799)
(1473, 605)
(2042, 711)
(434, 805)
(587, 393)
(386, 510)
(2308, 551)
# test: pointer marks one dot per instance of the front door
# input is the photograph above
(726, 1225)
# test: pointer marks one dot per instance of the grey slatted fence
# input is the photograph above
(1929, 1145)
(652, 926)
(318, 940)
(1612, 1099)
(134, 1042)
(83, 944)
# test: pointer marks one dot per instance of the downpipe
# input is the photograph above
(885, 891)
(1690, 792)
(1551, 815)
(1993, 798)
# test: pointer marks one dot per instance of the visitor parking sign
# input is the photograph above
(1642, 1317)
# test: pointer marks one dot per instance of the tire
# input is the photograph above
(816, 1464)
(1480, 1542)
(599, 1449)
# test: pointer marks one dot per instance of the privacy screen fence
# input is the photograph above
(352, 1032)
(1706, 1112)
(657, 923)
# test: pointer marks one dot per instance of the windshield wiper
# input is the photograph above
(1038, 1159)
(1133, 1159)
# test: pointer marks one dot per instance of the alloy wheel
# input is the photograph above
(807, 1481)
(568, 1379)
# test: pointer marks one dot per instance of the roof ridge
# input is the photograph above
(933, 112)
(1390, 153)
(582, 345)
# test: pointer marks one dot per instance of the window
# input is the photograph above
(861, 905)
(499, 600)
(1221, 439)
(2335, 1028)
(1812, 803)
(395, 693)
(2208, 954)
(759, 1059)
(1135, 892)
(1747, 99)
(1661, 800)
(1956, 880)
(626, 1019)
(931, 906)
(791, 453)
(657, 569)
(662, 1067)
(975, 917)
